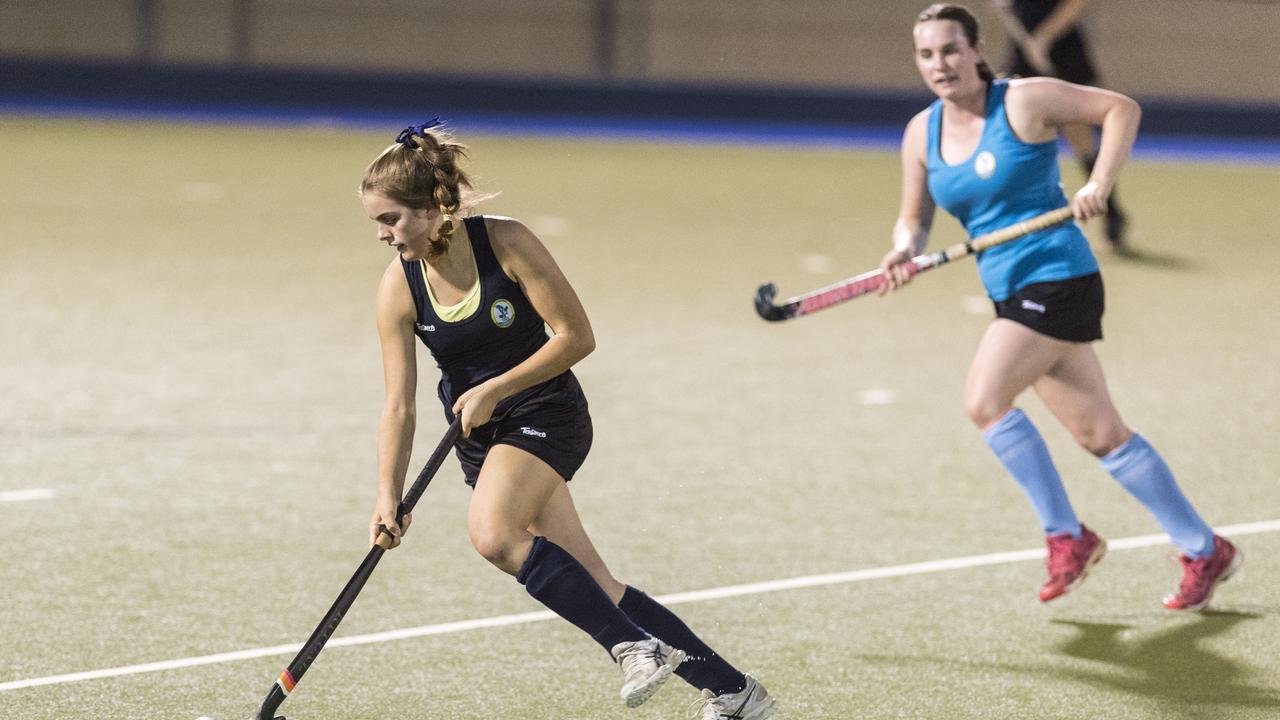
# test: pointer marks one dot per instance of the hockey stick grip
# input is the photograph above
(843, 292)
(1013, 232)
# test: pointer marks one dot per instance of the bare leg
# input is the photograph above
(513, 488)
(1075, 391)
(560, 523)
(523, 521)
(704, 667)
(1009, 359)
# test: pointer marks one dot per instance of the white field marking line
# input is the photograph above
(920, 568)
(23, 495)
(878, 396)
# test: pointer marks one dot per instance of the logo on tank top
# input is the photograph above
(502, 312)
(985, 164)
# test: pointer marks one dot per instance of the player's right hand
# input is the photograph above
(384, 519)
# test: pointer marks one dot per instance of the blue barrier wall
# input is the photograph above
(52, 83)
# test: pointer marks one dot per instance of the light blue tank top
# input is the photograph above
(1004, 182)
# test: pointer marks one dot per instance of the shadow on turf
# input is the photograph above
(1151, 258)
(1169, 666)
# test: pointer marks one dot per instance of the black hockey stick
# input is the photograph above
(867, 282)
(292, 674)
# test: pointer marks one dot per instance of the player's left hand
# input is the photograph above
(1090, 201)
(475, 406)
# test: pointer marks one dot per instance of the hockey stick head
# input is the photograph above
(269, 706)
(765, 307)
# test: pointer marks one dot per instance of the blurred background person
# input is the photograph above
(1048, 40)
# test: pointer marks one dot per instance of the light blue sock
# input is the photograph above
(1139, 468)
(1015, 440)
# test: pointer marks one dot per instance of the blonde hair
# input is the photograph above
(421, 171)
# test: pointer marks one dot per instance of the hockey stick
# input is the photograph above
(292, 674)
(860, 285)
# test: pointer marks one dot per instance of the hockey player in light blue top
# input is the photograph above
(986, 151)
(1002, 182)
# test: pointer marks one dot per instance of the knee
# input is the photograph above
(1101, 438)
(496, 545)
(984, 411)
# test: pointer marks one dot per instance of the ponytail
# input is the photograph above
(421, 171)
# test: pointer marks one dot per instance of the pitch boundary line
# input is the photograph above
(29, 494)
(806, 581)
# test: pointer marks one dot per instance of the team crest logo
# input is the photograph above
(503, 313)
(984, 164)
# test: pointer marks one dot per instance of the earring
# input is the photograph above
(446, 224)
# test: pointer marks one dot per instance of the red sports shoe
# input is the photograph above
(1069, 561)
(1200, 577)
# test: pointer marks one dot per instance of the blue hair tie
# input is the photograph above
(407, 135)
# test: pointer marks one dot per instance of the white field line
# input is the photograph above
(852, 576)
(22, 495)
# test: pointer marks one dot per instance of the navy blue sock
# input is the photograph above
(1015, 440)
(703, 668)
(556, 579)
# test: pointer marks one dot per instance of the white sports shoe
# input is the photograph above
(750, 703)
(646, 664)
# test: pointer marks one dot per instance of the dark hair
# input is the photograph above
(962, 15)
(421, 172)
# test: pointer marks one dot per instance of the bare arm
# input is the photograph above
(1036, 54)
(526, 260)
(1059, 22)
(916, 208)
(395, 317)
(1038, 107)
(1035, 45)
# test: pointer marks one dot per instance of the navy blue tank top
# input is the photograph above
(501, 334)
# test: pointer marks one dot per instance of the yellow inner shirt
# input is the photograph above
(454, 313)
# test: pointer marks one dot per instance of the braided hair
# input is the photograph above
(421, 171)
